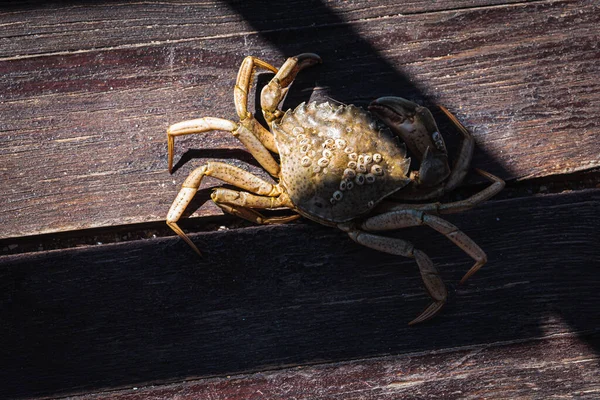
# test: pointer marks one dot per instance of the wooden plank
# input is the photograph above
(133, 313)
(83, 131)
(27, 30)
(558, 367)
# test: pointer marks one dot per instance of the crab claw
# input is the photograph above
(415, 125)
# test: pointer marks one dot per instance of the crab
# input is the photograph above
(341, 166)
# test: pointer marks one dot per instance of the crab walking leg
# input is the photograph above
(430, 275)
(480, 197)
(225, 172)
(454, 207)
(242, 204)
(464, 156)
(254, 216)
(243, 81)
(243, 133)
(195, 126)
(406, 218)
(249, 200)
(274, 92)
(240, 98)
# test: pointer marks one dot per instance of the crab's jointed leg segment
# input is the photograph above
(256, 217)
(242, 84)
(410, 217)
(240, 98)
(243, 204)
(195, 126)
(468, 203)
(243, 133)
(430, 275)
(225, 172)
(274, 92)
(454, 207)
(249, 200)
(261, 141)
(464, 156)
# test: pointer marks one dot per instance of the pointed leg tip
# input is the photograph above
(183, 236)
(472, 271)
(429, 313)
(464, 279)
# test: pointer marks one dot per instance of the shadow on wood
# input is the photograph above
(267, 297)
(138, 312)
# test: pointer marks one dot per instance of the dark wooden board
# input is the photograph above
(557, 367)
(86, 99)
(129, 314)
(28, 32)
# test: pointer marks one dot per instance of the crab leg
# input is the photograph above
(454, 207)
(410, 217)
(194, 126)
(430, 275)
(274, 92)
(248, 123)
(480, 197)
(249, 200)
(465, 153)
(243, 204)
(243, 133)
(254, 216)
(240, 98)
(225, 172)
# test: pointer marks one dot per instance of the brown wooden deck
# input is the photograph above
(97, 297)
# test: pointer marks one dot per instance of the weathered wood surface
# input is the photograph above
(87, 91)
(134, 313)
(555, 368)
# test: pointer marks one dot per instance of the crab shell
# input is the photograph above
(338, 161)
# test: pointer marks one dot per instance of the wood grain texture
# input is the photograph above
(74, 27)
(87, 91)
(558, 367)
(134, 313)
